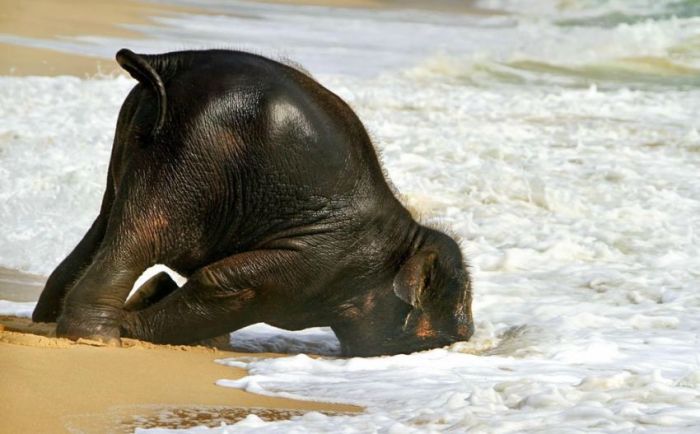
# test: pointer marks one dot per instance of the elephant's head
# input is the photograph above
(427, 304)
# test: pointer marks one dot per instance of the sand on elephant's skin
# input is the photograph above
(50, 384)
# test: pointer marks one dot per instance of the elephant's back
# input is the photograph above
(271, 120)
(266, 148)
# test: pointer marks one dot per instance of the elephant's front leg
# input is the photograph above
(94, 307)
(48, 308)
(65, 275)
(224, 296)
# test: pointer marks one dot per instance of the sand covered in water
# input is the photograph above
(49, 19)
(28, 30)
(50, 384)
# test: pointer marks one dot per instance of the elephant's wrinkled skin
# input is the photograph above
(263, 189)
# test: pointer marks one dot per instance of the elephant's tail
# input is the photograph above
(144, 68)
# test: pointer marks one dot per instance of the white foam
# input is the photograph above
(579, 210)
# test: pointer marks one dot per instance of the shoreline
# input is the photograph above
(47, 20)
(138, 385)
(119, 389)
(19, 286)
(81, 386)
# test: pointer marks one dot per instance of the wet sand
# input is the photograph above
(55, 385)
(452, 6)
(19, 60)
(48, 19)
(50, 384)
(19, 286)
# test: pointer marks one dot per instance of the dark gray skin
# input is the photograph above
(262, 188)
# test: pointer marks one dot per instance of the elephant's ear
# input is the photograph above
(415, 277)
(139, 67)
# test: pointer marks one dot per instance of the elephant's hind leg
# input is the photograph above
(61, 280)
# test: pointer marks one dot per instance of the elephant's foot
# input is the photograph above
(91, 324)
(48, 307)
(43, 313)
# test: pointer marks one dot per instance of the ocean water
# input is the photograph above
(558, 139)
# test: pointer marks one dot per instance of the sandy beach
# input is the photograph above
(46, 20)
(85, 387)
(49, 19)
(18, 286)
(88, 388)
(56, 385)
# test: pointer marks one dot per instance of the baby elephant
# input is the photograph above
(263, 188)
